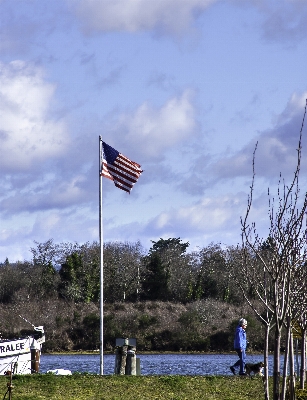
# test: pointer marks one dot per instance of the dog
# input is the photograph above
(256, 369)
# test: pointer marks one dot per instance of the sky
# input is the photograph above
(186, 88)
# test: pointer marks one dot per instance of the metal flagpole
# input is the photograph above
(101, 256)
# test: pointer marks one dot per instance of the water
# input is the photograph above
(153, 364)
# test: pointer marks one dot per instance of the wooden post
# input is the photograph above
(138, 366)
(35, 359)
(125, 359)
(120, 360)
(9, 385)
(131, 361)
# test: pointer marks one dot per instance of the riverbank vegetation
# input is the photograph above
(167, 298)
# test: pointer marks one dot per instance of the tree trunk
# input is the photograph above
(276, 373)
(292, 395)
(285, 371)
(303, 359)
(266, 364)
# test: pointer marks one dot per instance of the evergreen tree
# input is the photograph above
(155, 286)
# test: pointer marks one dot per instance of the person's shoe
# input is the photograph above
(233, 370)
(242, 374)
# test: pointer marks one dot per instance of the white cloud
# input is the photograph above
(284, 20)
(153, 130)
(212, 219)
(27, 134)
(294, 107)
(49, 194)
(276, 150)
(210, 213)
(165, 16)
(78, 226)
(18, 234)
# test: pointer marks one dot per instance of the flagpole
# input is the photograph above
(101, 256)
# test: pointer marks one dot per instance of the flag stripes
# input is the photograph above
(119, 168)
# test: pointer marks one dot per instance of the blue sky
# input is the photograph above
(184, 87)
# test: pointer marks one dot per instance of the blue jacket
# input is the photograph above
(240, 339)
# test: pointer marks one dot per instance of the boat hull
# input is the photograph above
(21, 356)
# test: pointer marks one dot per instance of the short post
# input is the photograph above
(138, 366)
(131, 362)
(125, 359)
(120, 360)
(35, 360)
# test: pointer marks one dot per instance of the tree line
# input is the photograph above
(167, 272)
(168, 298)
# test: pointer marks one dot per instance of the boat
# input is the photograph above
(22, 355)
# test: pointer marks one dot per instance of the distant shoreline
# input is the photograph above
(96, 352)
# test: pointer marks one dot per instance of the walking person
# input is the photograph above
(240, 343)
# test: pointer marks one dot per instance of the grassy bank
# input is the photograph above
(95, 387)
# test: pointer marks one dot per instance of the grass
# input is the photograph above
(171, 387)
(90, 387)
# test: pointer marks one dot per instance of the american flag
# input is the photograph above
(119, 168)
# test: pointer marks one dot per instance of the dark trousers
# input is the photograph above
(241, 362)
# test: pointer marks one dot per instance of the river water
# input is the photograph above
(153, 364)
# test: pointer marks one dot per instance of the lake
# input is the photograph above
(151, 364)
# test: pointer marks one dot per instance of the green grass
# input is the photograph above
(95, 387)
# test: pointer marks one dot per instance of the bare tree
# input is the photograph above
(299, 322)
(245, 266)
(123, 267)
(272, 272)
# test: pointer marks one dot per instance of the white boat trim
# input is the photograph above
(22, 355)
